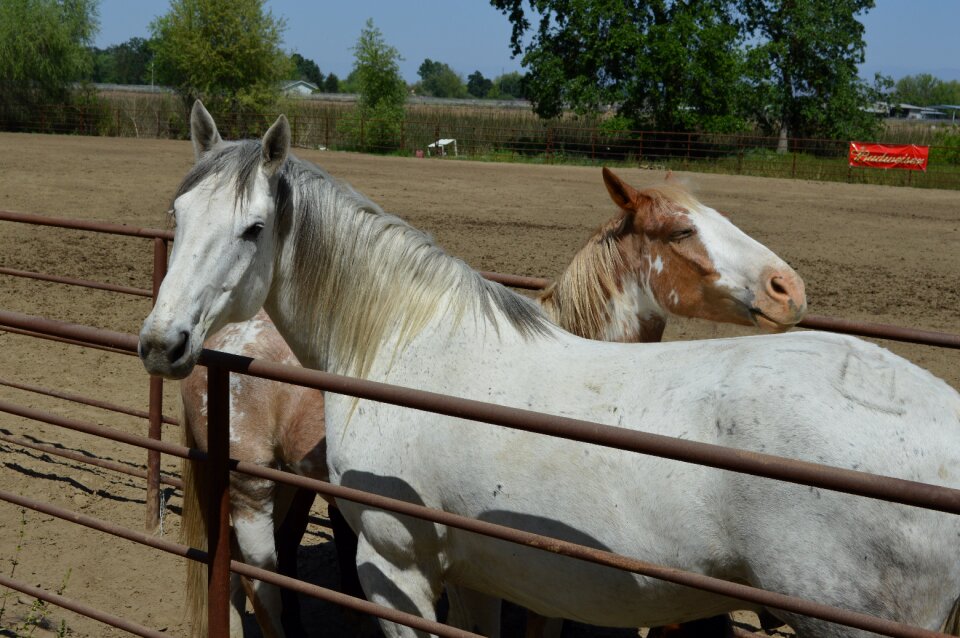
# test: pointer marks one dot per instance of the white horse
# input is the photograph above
(356, 291)
(622, 285)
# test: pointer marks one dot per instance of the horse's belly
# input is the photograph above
(561, 587)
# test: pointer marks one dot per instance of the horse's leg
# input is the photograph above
(473, 611)
(252, 507)
(345, 543)
(287, 538)
(238, 604)
(404, 587)
(542, 627)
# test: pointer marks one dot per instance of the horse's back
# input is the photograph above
(823, 398)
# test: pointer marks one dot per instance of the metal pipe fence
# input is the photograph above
(221, 365)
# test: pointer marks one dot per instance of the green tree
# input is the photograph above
(509, 85)
(331, 84)
(802, 68)
(225, 52)
(477, 85)
(376, 75)
(126, 63)
(673, 65)
(44, 48)
(925, 90)
(307, 69)
(439, 80)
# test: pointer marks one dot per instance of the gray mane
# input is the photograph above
(365, 264)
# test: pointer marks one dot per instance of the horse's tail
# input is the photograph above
(193, 531)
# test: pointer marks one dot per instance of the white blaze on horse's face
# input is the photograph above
(696, 263)
(224, 230)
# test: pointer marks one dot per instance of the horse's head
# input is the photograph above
(696, 263)
(221, 266)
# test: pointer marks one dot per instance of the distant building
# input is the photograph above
(298, 87)
(951, 110)
(911, 112)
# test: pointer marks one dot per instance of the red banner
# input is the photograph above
(908, 156)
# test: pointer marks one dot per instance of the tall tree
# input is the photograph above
(802, 68)
(376, 75)
(307, 69)
(331, 84)
(125, 63)
(477, 85)
(439, 80)
(671, 64)
(509, 85)
(44, 47)
(226, 52)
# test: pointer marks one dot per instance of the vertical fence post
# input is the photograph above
(403, 135)
(549, 141)
(326, 132)
(363, 145)
(218, 517)
(156, 404)
(739, 154)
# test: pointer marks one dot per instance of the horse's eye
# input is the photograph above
(680, 235)
(253, 231)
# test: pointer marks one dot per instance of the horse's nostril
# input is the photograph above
(776, 284)
(179, 349)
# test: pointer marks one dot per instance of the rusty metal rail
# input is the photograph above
(76, 398)
(193, 553)
(896, 490)
(754, 463)
(814, 322)
(83, 609)
(122, 468)
(70, 281)
(907, 492)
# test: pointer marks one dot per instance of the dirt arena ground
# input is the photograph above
(866, 252)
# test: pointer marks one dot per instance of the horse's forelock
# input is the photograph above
(231, 160)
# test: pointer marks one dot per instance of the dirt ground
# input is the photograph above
(866, 252)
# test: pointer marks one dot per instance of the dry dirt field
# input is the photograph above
(866, 252)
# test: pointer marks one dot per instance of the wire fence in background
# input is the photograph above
(500, 135)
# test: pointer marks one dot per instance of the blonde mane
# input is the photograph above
(377, 276)
(578, 300)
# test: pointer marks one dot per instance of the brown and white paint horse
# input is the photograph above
(649, 261)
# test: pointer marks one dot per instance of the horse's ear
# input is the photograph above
(203, 130)
(276, 145)
(623, 195)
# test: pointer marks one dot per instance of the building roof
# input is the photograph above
(289, 84)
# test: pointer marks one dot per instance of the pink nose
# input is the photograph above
(784, 300)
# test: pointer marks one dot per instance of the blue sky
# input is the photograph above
(904, 37)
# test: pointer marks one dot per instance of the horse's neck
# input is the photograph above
(354, 285)
(600, 296)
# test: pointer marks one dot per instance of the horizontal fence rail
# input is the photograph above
(907, 492)
(817, 322)
(873, 486)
